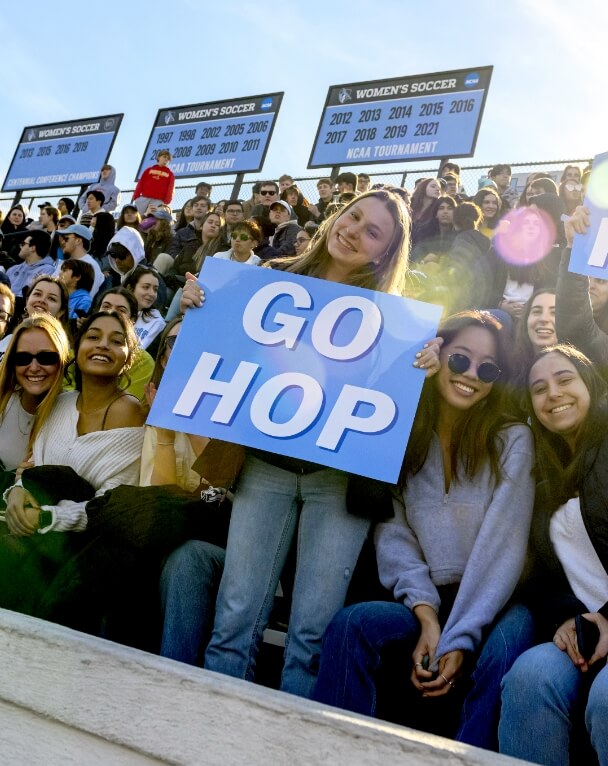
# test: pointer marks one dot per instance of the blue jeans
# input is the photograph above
(272, 505)
(543, 695)
(188, 588)
(366, 664)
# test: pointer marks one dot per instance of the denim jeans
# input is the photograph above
(272, 505)
(188, 588)
(543, 695)
(366, 662)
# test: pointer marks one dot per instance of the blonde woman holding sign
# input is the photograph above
(366, 244)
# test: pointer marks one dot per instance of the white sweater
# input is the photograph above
(106, 459)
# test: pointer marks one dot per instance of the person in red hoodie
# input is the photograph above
(156, 183)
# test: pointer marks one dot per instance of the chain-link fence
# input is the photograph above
(470, 177)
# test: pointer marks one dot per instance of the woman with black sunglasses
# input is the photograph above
(90, 443)
(451, 556)
(31, 378)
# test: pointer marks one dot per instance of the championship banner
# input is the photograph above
(590, 251)
(298, 366)
(217, 138)
(62, 153)
(401, 119)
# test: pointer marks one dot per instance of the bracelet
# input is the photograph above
(165, 444)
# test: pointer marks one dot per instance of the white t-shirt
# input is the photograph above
(226, 255)
(573, 547)
(147, 328)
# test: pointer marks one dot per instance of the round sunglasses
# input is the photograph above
(487, 372)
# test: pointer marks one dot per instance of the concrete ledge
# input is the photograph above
(67, 698)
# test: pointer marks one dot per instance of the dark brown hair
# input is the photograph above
(476, 437)
(558, 468)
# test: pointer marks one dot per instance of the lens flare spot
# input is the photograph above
(597, 190)
(524, 236)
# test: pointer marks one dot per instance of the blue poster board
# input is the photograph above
(298, 366)
(590, 251)
(62, 153)
(217, 138)
(401, 119)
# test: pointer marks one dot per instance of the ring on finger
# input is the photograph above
(447, 680)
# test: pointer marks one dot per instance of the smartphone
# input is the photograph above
(587, 636)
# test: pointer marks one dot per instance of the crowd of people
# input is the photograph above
(470, 599)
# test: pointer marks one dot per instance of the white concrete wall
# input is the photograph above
(66, 698)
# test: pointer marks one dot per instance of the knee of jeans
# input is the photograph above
(542, 669)
(597, 704)
(510, 638)
(347, 622)
(527, 672)
(192, 558)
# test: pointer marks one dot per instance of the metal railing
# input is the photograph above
(406, 177)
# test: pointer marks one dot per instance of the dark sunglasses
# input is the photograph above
(242, 237)
(44, 358)
(487, 372)
(118, 256)
(267, 193)
(170, 341)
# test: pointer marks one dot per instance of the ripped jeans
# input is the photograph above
(272, 505)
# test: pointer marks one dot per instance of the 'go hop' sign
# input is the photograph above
(298, 366)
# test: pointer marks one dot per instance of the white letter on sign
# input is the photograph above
(330, 315)
(201, 382)
(342, 418)
(264, 400)
(291, 327)
(599, 252)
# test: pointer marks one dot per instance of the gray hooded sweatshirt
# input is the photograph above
(131, 239)
(108, 189)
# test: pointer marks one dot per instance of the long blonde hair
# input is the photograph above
(388, 276)
(8, 380)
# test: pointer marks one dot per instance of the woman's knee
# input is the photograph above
(543, 670)
(596, 713)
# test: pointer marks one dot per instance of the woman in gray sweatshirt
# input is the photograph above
(451, 557)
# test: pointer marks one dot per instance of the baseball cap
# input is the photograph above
(79, 230)
(284, 204)
(162, 215)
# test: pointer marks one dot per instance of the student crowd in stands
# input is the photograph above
(470, 600)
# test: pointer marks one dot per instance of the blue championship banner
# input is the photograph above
(62, 153)
(217, 138)
(298, 366)
(406, 118)
(590, 251)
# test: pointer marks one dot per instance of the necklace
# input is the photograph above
(29, 419)
(104, 406)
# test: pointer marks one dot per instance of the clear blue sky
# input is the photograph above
(547, 99)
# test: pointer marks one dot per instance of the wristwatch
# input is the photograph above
(45, 519)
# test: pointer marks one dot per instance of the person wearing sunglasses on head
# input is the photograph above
(244, 238)
(451, 557)
(571, 194)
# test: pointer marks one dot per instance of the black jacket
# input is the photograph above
(548, 592)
